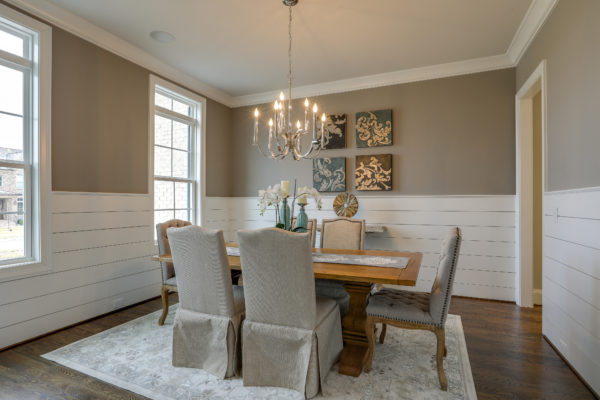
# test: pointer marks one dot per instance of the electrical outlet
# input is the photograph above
(118, 303)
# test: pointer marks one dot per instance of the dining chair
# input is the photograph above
(310, 227)
(415, 310)
(291, 337)
(340, 233)
(169, 282)
(206, 330)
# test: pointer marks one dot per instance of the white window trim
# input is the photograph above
(42, 82)
(199, 144)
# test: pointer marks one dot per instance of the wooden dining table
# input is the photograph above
(358, 281)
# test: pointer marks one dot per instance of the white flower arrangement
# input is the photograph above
(274, 195)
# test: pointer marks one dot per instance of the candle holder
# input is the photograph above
(302, 219)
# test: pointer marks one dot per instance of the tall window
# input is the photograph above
(24, 74)
(177, 144)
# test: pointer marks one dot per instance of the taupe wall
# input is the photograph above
(451, 136)
(99, 119)
(569, 43)
(100, 123)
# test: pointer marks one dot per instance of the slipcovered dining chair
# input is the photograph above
(291, 337)
(414, 310)
(169, 282)
(311, 227)
(340, 233)
(206, 330)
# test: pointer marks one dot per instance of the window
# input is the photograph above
(24, 124)
(177, 138)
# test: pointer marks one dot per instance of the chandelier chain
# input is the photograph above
(290, 53)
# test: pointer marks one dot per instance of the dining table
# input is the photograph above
(358, 280)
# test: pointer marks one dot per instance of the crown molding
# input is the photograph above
(386, 79)
(83, 28)
(534, 18)
(532, 22)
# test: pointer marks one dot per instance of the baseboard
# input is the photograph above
(587, 385)
(537, 297)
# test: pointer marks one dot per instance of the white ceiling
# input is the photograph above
(240, 46)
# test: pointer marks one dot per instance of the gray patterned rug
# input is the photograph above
(137, 356)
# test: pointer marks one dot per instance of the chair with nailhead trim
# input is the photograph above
(415, 310)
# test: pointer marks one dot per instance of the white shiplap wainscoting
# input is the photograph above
(487, 261)
(571, 283)
(101, 249)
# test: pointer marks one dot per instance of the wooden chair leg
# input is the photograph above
(370, 327)
(164, 294)
(440, 333)
(383, 331)
(445, 351)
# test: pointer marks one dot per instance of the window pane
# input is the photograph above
(162, 161)
(11, 95)
(162, 131)
(11, 137)
(181, 164)
(161, 100)
(183, 193)
(185, 215)
(163, 216)
(181, 108)
(181, 136)
(163, 195)
(12, 232)
(11, 43)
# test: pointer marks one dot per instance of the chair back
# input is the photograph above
(202, 268)
(311, 227)
(279, 283)
(343, 233)
(163, 244)
(441, 291)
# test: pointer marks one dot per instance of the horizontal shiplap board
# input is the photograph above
(101, 259)
(35, 307)
(23, 289)
(70, 241)
(73, 314)
(91, 202)
(487, 263)
(75, 222)
(571, 283)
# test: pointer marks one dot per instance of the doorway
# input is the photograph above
(531, 184)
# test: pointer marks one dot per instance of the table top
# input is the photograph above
(348, 272)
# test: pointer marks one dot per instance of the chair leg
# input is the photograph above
(164, 294)
(370, 327)
(440, 333)
(445, 351)
(383, 331)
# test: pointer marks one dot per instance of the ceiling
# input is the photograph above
(240, 46)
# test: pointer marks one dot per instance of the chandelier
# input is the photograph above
(284, 136)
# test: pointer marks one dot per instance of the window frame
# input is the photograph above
(197, 122)
(36, 148)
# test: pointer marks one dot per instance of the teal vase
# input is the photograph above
(285, 217)
(302, 220)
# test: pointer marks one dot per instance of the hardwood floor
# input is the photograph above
(509, 357)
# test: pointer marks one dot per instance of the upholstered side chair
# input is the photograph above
(291, 338)
(206, 331)
(414, 310)
(340, 233)
(169, 282)
(310, 227)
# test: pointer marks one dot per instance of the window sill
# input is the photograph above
(23, 269)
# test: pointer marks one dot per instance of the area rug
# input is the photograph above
(136, 356)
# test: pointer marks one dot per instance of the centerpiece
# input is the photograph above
(279, 197)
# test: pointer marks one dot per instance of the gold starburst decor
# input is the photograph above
(345, 205)
(374, 172)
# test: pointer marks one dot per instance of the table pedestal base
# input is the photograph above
(356, 345)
